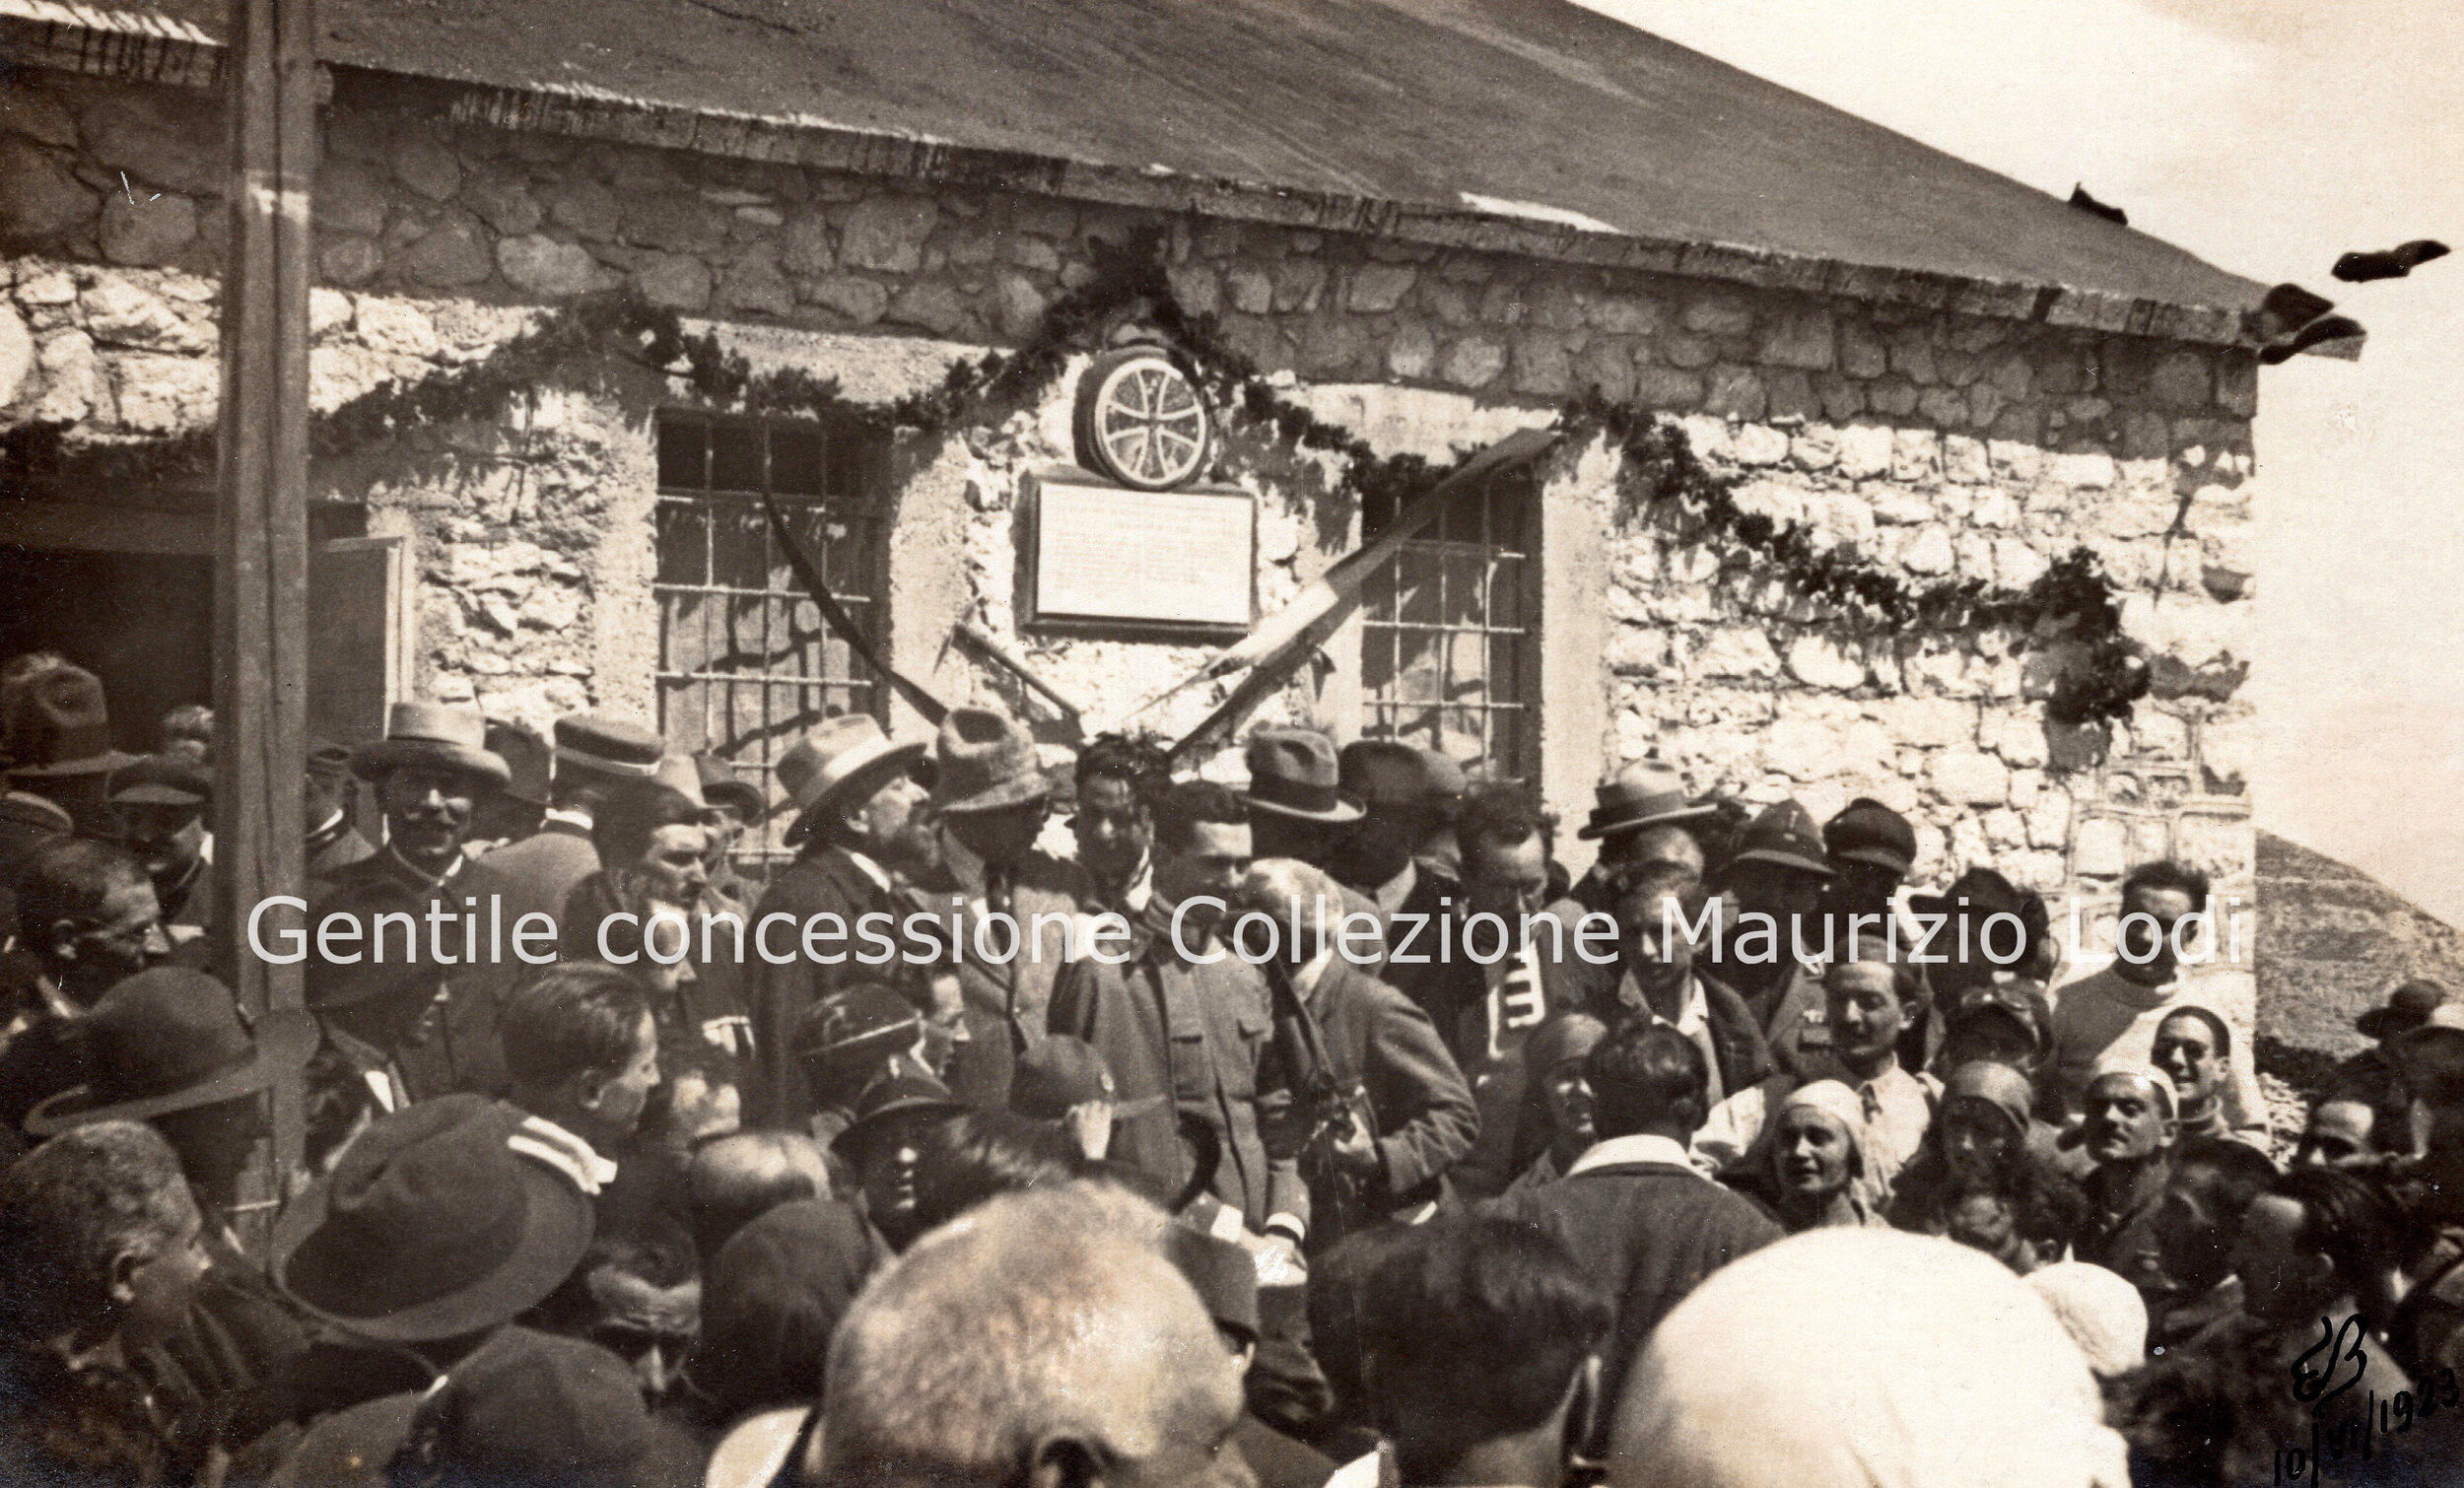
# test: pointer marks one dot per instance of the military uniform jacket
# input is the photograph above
(1007, 1001)
(824, 881)
(1202, 1036)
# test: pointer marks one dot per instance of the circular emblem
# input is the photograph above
(1140, 421)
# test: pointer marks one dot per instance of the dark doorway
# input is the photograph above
(142, 622)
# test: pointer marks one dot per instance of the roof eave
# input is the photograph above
(122, 44)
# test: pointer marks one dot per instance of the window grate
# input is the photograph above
(1450, 632)
(746, 665)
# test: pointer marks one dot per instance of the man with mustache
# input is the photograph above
(161, 801)
(390, 1017)
(859, 820)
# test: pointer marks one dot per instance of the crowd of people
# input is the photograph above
(1323, 1127)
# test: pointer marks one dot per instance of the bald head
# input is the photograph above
(1290, 892)
(1041, 1340)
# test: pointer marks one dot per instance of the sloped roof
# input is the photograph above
(1534, 111)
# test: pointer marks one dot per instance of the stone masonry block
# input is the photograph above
(2102, 849)
(888, 233)
(1737, 651)
(1801, 338)
(1971, 779)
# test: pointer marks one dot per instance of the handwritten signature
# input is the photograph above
(2314, 1383)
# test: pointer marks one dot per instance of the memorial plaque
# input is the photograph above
(1150, 558)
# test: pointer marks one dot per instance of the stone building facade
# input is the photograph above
(524, 559)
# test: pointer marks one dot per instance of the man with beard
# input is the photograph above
(390, 1016)
(1011, 911)
(858, 819)
(161, 801)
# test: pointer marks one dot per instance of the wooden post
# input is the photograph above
(260, 514)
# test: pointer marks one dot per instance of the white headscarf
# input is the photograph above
(1850, 1358)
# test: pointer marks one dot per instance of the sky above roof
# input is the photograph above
(2269, 136)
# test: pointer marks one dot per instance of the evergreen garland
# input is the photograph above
(2072, 605)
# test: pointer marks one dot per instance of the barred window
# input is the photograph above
(746, 665)
(1450, 631)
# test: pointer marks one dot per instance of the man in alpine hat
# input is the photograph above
(1013, 908)
(1779, 870)
(389, 1016)
(856, 805)
(1639, 815)
(594, 755)
(1300, 808)
(161, 801)
(59, 740)
(439, 1226)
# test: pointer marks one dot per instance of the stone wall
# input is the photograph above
(1942, 445)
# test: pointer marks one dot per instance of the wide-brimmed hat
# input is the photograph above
(1868, 831)
(1056, 1074)
(987, 762)
(433, 1225)
(171, 1038)
(57, 725)
(525, 754)
(2407, 1008)
(34, 816)
(436, 737)
(1383, 773)
(1645, 793)
(2431, 1057)
(533, 1407)
(886, 1099)
(847, 758)
(857, 1023)
(597, 744)
(1293, 773)
(161, 780)
(722, 786)
(1784, 835)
